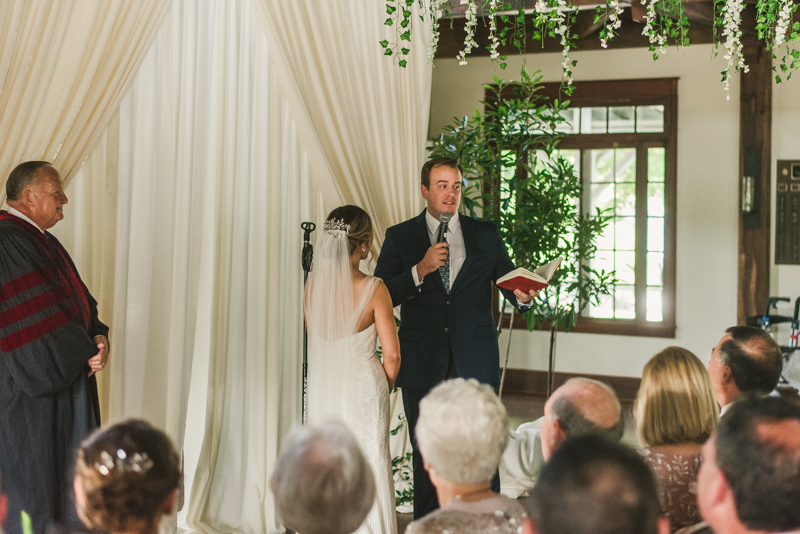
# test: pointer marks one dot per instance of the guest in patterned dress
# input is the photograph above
(675, 414)
(461, 432)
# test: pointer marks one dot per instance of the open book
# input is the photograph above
(525, 280)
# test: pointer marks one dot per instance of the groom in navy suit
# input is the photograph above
(444, 291)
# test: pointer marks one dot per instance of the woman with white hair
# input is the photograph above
(462, 432)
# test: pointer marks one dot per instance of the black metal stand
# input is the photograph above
(307, 258)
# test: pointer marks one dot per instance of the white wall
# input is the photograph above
(785, 279)
(708, 165)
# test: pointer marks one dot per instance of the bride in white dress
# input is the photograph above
(345, 310)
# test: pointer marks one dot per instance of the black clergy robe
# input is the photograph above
(47, 402)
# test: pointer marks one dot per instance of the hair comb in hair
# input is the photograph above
(336, 227)
(137, 463)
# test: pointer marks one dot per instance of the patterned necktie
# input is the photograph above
(444, 270)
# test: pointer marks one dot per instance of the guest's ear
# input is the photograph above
(663, 525)
(80, 493)
(528, 528)
(169, 504)
(3, 509)
(725, 374)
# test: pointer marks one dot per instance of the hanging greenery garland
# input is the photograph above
(665, 23)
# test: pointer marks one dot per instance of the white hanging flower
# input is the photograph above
(469, 28)
(657, 40)
(784, 19)
(435, 11)
(732, 31)
(613, 22)
(562, 29)
(493, 29)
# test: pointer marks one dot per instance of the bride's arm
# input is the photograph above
(387, 332)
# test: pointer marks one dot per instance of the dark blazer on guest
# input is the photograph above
(434, 323)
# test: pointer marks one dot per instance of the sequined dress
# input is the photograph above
(676, 475)
(496, 515)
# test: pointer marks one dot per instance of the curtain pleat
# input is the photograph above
(363, 119)
(64, 67)
(185, 223)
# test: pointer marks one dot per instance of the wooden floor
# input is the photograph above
(525, 408)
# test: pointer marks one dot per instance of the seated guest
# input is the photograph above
(746, 360)
(322, 482)
(675, 414)
(594, 486)
(461, 432)
(750, 478)
(126, 477)
(581, 406)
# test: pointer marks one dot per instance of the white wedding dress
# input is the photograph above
(346, 380)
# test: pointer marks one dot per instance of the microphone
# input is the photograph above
(444, 218)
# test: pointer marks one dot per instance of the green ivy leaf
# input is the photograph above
(403, 63)
(406, 35)
(388, 22)
(405, 51)
(390, 9)
(388, 52)
(384, 43)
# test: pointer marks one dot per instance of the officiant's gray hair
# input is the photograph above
(462, 431)
(322, 481)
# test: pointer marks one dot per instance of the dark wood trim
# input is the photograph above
(755, 128)
(529, 382)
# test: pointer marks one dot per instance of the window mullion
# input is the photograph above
(641, 234)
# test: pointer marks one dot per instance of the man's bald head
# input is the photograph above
(746, 360)
(581, 406)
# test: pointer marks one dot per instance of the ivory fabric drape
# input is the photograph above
(185, 222)
(363, 119)
(64, 67)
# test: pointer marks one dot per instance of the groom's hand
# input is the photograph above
(434, 258)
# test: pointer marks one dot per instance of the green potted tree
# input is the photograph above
(517, 179)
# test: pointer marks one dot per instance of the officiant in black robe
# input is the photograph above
(51, 345)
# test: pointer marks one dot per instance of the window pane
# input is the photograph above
(655, 200)
(600, 165)
(655, 164)
(593, 120)
(625, 199)
(655, 234)
(624, 302)
(621, 119)
(626, 267)
(606, 239)
(655, 268)
(655, 310)
(573, 117)
(605, 310)
(625, 233)
(602, 196)
(650, 119)
(603, 261)
(625, 165)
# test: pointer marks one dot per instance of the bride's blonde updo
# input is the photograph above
(126, 471)
(360, 232)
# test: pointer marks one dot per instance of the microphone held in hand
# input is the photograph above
(444, 218)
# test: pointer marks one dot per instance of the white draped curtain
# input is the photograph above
(363, 118)
(185, 223)
(185, 218)
(64, 67)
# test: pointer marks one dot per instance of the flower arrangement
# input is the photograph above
(665, 23)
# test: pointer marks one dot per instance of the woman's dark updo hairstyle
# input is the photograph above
(128, 498)
(360, 225)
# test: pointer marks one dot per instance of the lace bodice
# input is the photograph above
(676, 475)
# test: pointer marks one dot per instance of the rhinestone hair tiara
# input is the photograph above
(137, 463)
(336, 227)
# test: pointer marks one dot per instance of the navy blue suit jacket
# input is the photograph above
(434, 323)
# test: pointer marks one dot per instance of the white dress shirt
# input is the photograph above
(24, 217)
(455, 238)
